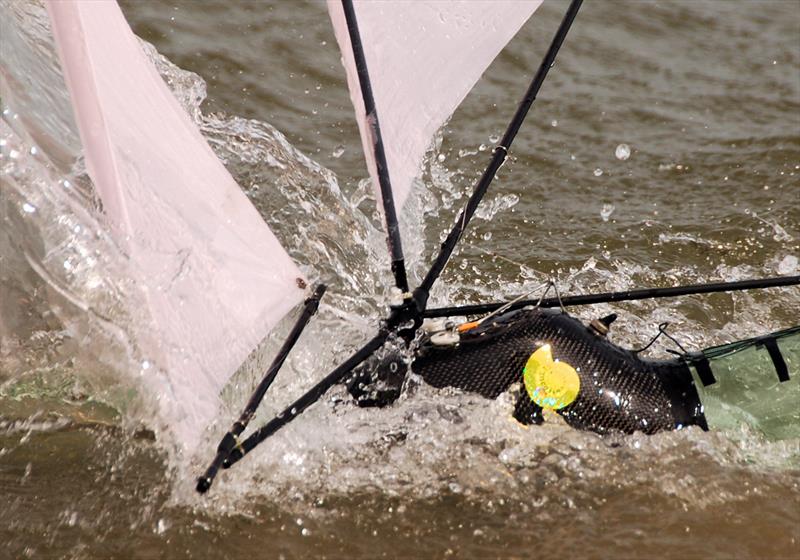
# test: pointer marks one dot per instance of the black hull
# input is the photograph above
(618, 390)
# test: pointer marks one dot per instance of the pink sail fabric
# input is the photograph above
(215, 277)
(423, 58)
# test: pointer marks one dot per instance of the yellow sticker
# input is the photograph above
(550, 384)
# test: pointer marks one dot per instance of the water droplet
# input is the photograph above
(440, 158)
(34, 150)
(606, 212)
(598, 172)
(554, 123)
(494, 138)
(145, 365)
(305, 532)
(482, 148)
(29, 208)
(487, 236)
(337, 151)
(623, 152)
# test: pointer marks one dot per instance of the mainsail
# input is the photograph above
(215, 278)
(423, 59)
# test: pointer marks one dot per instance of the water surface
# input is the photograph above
(707, 97)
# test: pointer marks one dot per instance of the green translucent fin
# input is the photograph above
(747, 388)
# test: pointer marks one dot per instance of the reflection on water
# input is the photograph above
(691, 112)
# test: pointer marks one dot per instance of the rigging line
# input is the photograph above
(309, 398)
(230, 440)
(472, 324)
(550, 284)
(499, 156)
(629, 295)
(390, 214)
(662, 330)
(517, 299)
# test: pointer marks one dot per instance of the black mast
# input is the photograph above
(309, 398)
(389, 212)
(499, 157)
(412, 309)
(230, 441)
(230, 454)
(629, 295)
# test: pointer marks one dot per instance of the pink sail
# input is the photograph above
(215, 278)
(423, 58)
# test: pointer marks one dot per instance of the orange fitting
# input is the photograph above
(464, 327)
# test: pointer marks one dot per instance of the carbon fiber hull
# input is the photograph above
(618, 391)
